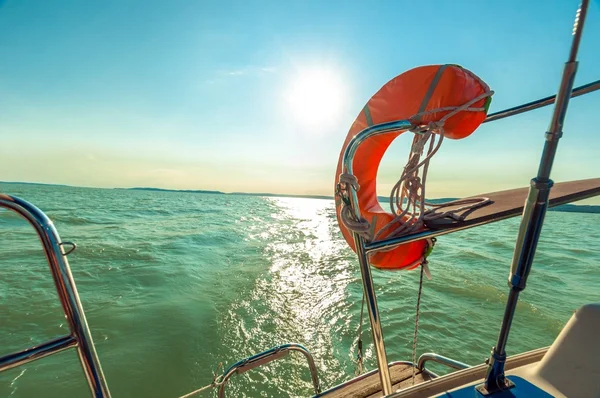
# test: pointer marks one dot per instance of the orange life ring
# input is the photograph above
(400, 99)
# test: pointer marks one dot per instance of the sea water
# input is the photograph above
(176, 284)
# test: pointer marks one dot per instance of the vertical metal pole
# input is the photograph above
(359, 243)
(371, 298)
(533, 215)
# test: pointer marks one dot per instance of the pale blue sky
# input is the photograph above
(200, 95)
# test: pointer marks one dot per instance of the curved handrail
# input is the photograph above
(80, 335)
(430, 356)
(265, 357)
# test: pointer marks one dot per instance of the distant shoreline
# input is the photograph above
(569, 208)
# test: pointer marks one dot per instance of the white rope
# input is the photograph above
(217, 381)
(191, 394)
(347, 214)
(407, 198)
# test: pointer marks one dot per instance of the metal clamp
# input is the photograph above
(72, 248)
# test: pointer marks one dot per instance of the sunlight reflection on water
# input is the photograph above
(171, 294)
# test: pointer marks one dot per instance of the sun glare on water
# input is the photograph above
(316, 97)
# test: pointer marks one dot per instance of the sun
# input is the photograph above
(316, 97)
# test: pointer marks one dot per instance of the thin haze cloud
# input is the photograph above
(249, 70)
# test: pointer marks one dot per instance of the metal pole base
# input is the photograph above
(495, 380)
(502, 386)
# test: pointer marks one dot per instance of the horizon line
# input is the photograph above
(589, 208)
(209, 191)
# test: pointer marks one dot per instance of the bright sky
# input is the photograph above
(258, 96)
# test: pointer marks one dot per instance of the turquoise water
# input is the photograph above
(175, 283)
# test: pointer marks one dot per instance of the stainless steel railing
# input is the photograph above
(79, 336)
(361, 252)
(581, 90)
(430, 356)
(265, 357)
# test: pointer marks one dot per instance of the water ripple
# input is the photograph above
(174, 284)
